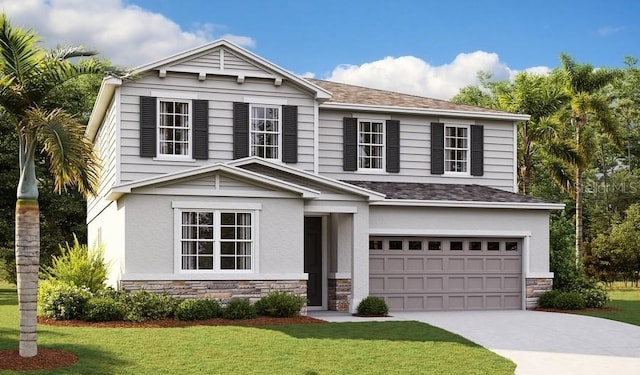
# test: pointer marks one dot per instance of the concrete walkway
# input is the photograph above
(538, 342)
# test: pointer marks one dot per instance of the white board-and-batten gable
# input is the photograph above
(214, 180)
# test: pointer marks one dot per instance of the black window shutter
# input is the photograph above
(290, 134)
(437, 148)
(477, 150)
(201, 129)
(240, 130)
(350, 144)
(393, 146)
(148, 115)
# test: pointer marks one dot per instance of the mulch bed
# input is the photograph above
(48, 359)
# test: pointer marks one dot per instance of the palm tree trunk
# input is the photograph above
(579, 229)
(27, 265)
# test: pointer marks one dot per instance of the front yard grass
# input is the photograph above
(332, 348)
(625, 304)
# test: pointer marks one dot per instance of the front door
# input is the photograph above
(313, 259)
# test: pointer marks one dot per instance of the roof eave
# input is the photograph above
(469, 204)
(107, 88)
(426, 111)
(320, 93)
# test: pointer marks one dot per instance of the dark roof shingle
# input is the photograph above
(445, 192)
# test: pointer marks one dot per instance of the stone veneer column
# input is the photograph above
(339, 291)
(535, 288)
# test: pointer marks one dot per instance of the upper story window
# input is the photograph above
(370, 144)
(174, 128)
(264, 127)
(456, 149)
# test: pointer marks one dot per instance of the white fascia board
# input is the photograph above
(468, 204)
(425, 111)
(117, 191)
(370, 194)
(320, 93)
(107, 88)
(448, 232)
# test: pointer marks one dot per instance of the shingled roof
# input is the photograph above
(445, 192)
(350, 94)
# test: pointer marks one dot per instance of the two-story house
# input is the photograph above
(224, 175)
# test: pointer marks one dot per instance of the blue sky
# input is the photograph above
(422, 47)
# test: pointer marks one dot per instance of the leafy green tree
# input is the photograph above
(28, 75)
(589, 114)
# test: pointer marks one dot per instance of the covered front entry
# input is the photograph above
(313, 259)
(429, 273)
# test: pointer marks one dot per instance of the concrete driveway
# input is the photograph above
(540, 342)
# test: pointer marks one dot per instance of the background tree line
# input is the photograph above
(581, 147)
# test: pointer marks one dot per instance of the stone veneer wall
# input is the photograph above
(221, 290)
(535, 288)
(339, 294)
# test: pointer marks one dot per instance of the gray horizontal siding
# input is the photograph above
(105, 148)
(415, 148)
(221, 92)
(209, 60)
(233, 62)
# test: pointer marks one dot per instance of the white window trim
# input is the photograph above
(444, 150)
(253, 209)
(160, 156)
(382, 169)
(280, 130)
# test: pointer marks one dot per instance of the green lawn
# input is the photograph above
(627, 305)
(336, 348)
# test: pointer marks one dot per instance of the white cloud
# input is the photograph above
(126, 34)
(412, 75)
(608, 30)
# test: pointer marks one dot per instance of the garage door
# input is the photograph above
(424, 273)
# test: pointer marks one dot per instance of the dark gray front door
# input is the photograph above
(313, 259)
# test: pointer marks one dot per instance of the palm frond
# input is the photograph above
(72, 159)
(20, 57)
(564, 151)
(561, 174)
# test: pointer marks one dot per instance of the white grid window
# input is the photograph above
(265, 131)
(174, 127)
(370, 145)
(197, 240)
(216, 240)
(456, 149)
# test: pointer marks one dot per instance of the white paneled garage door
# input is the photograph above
(425, 273)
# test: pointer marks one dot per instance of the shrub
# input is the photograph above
(547, 300)
(569, 301)
(62, 301)
(280, 304)
(142, 306)
(561, 300)
(198, 309)
(80, 266)
(372, 306)
(102, 309)
(239, 308)
(594, 294)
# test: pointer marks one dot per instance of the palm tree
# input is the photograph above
(588, 108)
(28, 73)
(541, 145)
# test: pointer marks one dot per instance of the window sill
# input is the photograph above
(174, 159)
(457, 174)
(370, 171)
